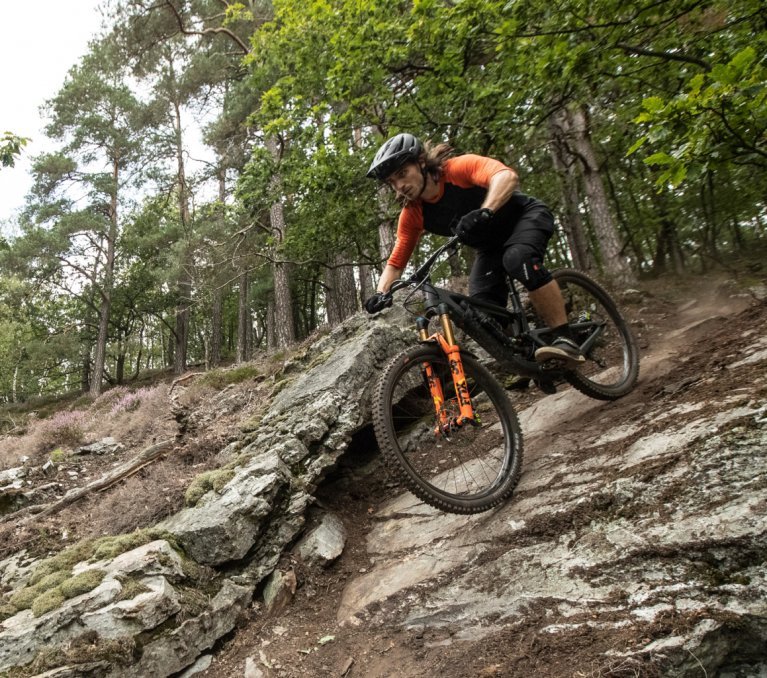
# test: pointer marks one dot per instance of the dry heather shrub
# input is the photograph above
(63, 429)
(12, 449)
(137, 416)
(108, 398)
(130, 401)
(138, 502)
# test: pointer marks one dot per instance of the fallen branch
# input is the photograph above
(144, 458)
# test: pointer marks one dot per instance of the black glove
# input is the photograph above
(378, 302)
(471, 227)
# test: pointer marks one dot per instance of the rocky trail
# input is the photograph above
(634, 545)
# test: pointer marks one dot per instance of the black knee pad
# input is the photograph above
(525, 265)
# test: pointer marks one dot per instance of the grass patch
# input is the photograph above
(219, 378)
(45, 602)
(52, 590)
(210, 480)
(87, 648)
(131, 588)
(58, 455)
(52, 581)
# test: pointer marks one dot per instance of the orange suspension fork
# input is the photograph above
(435, 385)
(446, 340)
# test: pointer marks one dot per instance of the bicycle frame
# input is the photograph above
(458, 308)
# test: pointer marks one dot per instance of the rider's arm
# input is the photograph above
(502, 185)
(389, 275)
(471, 170)
(409, 229)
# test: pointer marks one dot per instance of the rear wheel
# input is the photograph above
(612, 355)
(464, 469)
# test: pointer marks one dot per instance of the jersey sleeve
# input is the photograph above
(470, 170)
(409, 230)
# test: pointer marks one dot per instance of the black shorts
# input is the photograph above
(527, 239)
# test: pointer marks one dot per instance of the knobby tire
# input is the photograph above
(472, 470)
(612, 366)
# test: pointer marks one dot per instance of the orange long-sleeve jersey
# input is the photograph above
(462, 188)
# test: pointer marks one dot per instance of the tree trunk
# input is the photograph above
(243, 336)
(341, 292)
(563, 158)
(284, 322)
(217, 302)
(271, 333)
(85, 367)
(387, 231)
(140, 355)
(184, 282)
(216, 326)
(615, 264)
(366, 282)
(100, 353)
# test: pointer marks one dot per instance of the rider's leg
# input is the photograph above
(487, 280)
(548, 304)
(524, 262)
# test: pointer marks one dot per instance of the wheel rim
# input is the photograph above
(464, 463)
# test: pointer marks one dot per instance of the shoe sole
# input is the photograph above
(551, 353)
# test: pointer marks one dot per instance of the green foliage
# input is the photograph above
(11, 146)
(718, 120)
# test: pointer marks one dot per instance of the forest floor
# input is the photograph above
(305, 638)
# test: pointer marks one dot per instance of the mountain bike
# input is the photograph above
(444, 423)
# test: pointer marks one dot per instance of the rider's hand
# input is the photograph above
(378, 302)
(472, 225)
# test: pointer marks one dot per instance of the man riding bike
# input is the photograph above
(475, 197)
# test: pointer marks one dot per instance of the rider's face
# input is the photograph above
(407, 181)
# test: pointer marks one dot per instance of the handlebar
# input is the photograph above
(423, 271)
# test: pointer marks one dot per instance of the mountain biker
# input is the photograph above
(475, 197)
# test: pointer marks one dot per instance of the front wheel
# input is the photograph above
(612, 355)
(464, 469)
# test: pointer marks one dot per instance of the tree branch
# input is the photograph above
(668, 56)
(207, 31)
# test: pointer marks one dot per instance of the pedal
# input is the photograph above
(517, 383)
(548, 387)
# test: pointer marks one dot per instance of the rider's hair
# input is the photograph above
(434, 156)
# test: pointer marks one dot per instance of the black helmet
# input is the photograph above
(398, 150)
